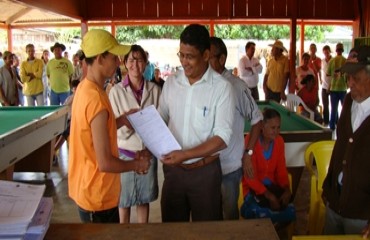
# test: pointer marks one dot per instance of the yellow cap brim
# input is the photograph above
(120, 50)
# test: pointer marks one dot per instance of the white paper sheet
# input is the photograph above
(153, 131)
(18, 204)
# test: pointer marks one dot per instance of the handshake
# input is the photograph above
(142, 161)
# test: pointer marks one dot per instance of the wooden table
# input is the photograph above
(329, 237)
(259, 229)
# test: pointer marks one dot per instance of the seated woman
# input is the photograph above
(310, 97)
(267, 194)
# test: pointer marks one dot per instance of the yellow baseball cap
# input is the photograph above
(98, 41)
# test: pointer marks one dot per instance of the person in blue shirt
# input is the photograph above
(149, 69)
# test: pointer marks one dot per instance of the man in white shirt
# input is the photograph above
(198, 106)
(249, 67)
(234, 157)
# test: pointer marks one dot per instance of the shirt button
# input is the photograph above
(350, 140)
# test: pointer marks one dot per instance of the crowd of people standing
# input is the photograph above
(205, 107)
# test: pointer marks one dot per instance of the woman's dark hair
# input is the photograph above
(139, 49)
(269, 113)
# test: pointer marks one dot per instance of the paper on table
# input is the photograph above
(18, 204)
(41, 220)
(153, 131)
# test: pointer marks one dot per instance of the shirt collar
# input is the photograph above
(126, 81)
(364, 105)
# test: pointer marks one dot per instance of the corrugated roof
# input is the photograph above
(14, 13)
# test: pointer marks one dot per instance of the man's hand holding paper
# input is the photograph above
(153, 131)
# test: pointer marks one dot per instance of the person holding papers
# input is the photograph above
(93, 179)
(134, 93)
(198, 106)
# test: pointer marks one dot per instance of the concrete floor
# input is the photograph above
(65, 210)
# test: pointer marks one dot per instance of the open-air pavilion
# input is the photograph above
(15, 14)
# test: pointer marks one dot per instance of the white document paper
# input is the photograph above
(18, 204)
(41, 220)
(153, 131)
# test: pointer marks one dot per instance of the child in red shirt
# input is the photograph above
(310, 97)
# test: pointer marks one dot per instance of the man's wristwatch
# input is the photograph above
(249, 152)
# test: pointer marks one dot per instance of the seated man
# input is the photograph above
(310, 97)
(267, 194)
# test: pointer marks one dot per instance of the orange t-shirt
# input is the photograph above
(91, 189)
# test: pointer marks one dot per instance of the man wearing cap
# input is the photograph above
(94, 166)
(31, 77)
(249, 68)
(277, 73)
(59, 71)
(8, 82)
(346, 189)
(198, 105)
(338, 85)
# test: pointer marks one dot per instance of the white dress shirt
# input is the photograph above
(194, 113)
(249, 77)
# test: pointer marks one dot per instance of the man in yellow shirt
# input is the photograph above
(277, 73)
(94, 166)
(31, 76)
(59, 71)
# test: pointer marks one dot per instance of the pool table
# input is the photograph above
(298, 132)
(27, 137)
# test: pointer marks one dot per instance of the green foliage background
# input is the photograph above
(131, 34)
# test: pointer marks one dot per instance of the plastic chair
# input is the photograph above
(293, 103)
(320, 152)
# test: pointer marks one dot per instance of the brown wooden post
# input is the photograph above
(10, 38)
(293, 47)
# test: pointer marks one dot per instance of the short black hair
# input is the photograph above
(326, 47)
(30, 45)
(196, 35)
(249, 44)
(220, 46)
(308, 78)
